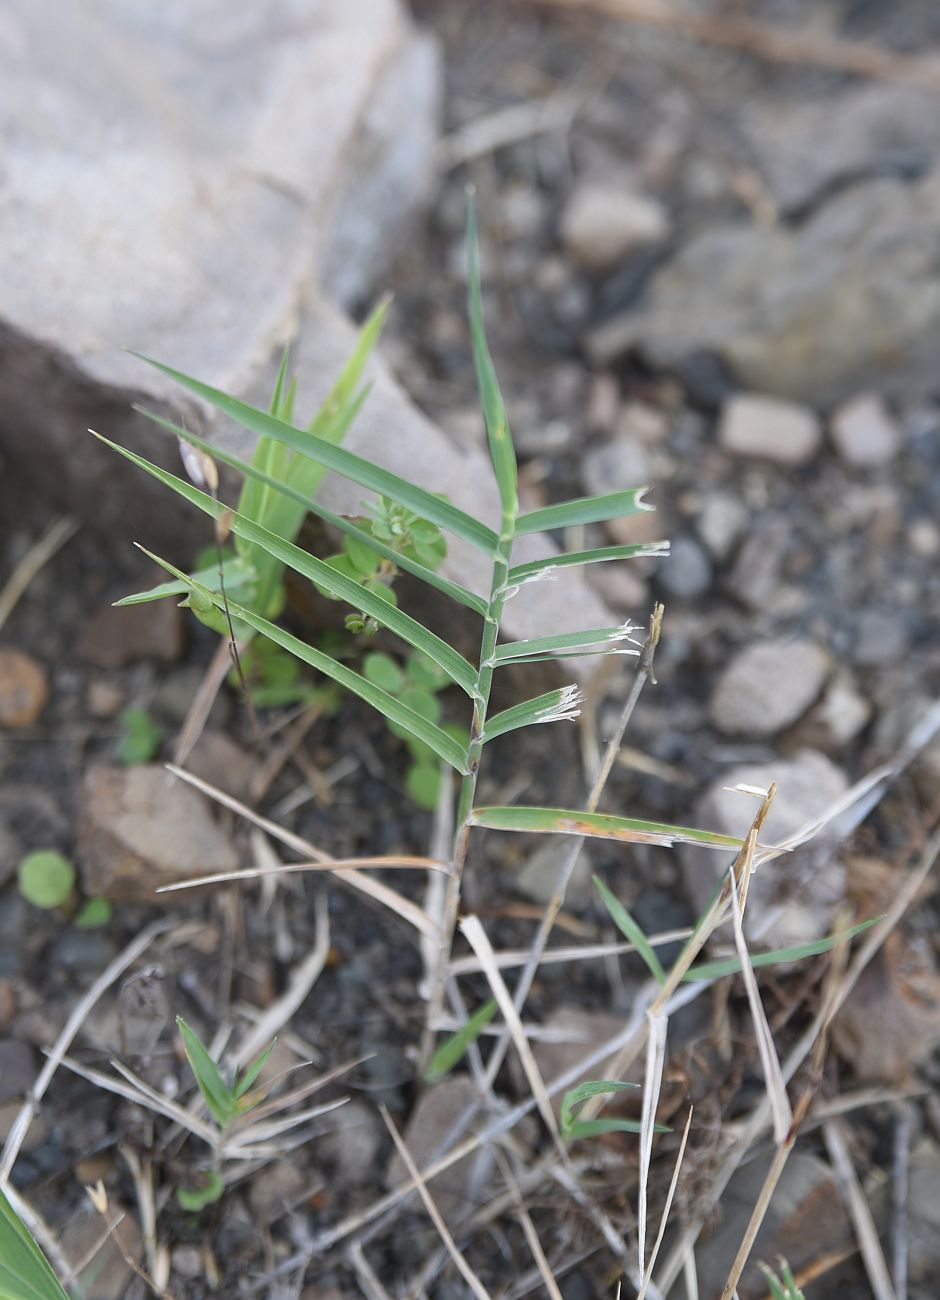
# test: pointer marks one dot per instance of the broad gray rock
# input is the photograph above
(793, 898)
(808, 312)
(768, 686)
(174, 189)
(806, 147)
(437, 1111)
(806, 1222)
(140, 829)
(196, 183)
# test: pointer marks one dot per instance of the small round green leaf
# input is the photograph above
(363, 558)
(197, 1198)
(96, 912)
(423, 671)
(344, 565)
(423, 702)
(423, 783)
(46, 879)
(382, 670)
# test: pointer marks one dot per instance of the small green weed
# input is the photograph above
(224, 1103)
(417, 682)
(783, 1285)
(46, 879)
(140, 737)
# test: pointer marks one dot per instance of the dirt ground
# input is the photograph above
(829, 551)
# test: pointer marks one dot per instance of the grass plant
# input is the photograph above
(240, 593)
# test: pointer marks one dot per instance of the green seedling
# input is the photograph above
(140, 737)
(402, 507)
(93, 914)
(25, 1273)
(224, 1103)
(452, 1050)
(782, 1286)
(46, 879)
(275, 678)
(417, 682)
(572, 1128)
(273, 497)
(209, 1189)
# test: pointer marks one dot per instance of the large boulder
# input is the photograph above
(204, 184)
(174, 188)
(805, 312)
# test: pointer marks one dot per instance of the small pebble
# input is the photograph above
(768, 686)
(620, 586)
(17, 1069)
(603, 224)
(24, 688)
(721, 521)
(187, 1262)
(104, 699)
(687, 572)
(881, 638)
(617, 465)
(769, 428)
(539, 876)
(923, 537)
(603, 402)
(864, 432)
(7, 1004)
(843, 710)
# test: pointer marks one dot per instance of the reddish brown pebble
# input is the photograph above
(7, 1004)
(23, 688)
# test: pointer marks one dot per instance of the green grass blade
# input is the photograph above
(631, 930)
(25, 1273)
(575, 1098)
(598, 555)
(560, 705)
(570, 821)
(211, 1084)
(586, 1128)
(364, 472)
(710, 970)
(280, 383)
(361, 598)
(252, 495)
(565, 642)
(244, 1083)
(453, 1048)
(585, 510)
(237, 574)
(434, 737)
(445, 585)
(502, 453)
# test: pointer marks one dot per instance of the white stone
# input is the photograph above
(721, 521)
(864, 431)
(770, 428)
(768, 686)
(603, 224)
(843, 711)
